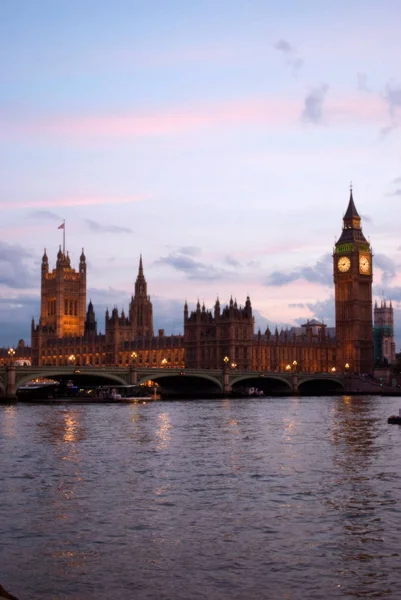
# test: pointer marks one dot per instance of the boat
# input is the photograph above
(123, 393)
(55, 393)
(250, 392)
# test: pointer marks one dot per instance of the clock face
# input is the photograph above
(344, 264)
(364, 265)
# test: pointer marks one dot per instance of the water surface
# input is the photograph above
(281, 498)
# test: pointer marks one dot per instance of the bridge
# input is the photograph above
(178, 382)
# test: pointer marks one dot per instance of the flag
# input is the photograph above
(61, 226)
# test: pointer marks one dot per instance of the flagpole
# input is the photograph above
(64, 237)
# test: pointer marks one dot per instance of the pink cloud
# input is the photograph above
(271, 111)
(59, 202)
(161, 123)
(370, 108)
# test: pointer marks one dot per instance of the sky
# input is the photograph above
(217, 138)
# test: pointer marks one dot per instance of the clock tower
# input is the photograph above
(352, 263)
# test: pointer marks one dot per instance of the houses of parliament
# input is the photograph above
(67, 328)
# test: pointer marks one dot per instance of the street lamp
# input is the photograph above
(164, 362)
(71, 358)
(294, 365)
(226, 360)
(134, 356)
(333, 369)
(233, 365)
(288, 367)
(11, 353)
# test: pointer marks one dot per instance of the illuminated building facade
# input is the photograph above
(353, 274)
(213, 339)
(63, 337)
(383, 333)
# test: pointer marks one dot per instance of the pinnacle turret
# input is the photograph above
(351, 212)
(352, 231)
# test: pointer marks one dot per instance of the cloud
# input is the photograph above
(366, 218)
(190, 250)
(393, 98)
(313, 105)
(397, 180)
(168, 315)
(99, 228)
(16, 312)
(387, 267)
(182, 120)
(385, 131)
(46, 214)
(14, 272)
(162, 123)
(290, 54)
(322, 310)
(395, 193)
(233, 262)
(321, 273)
(189, 266)
(80, 201)
(390, 293)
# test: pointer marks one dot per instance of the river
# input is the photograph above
(273, 498)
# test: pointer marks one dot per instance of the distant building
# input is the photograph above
(67, 331)
(20, 357)
(353, 274)
(209, 336)
(383, 334)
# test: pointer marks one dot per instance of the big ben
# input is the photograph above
(352, 263)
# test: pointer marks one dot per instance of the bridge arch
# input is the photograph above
(103, 378)
(320, 386)
(184, 384)
(269, 384)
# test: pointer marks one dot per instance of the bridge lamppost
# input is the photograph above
(11, 354)
(333, 370)
(288, 368)
(233, 365)
(346, 367)
(226, 376)
(294, 365)
(133, 371)
(71, 359)
(164, 363)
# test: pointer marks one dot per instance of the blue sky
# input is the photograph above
(218, 139)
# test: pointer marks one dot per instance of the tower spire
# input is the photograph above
(351, 212)
(352, 231)
(141, 310)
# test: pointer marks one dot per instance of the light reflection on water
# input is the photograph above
(273, 498)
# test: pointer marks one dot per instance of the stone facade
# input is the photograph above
(353, 274)
(127, 340)
(213, 339)
(383, 333)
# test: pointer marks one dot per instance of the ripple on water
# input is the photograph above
(233, 499)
